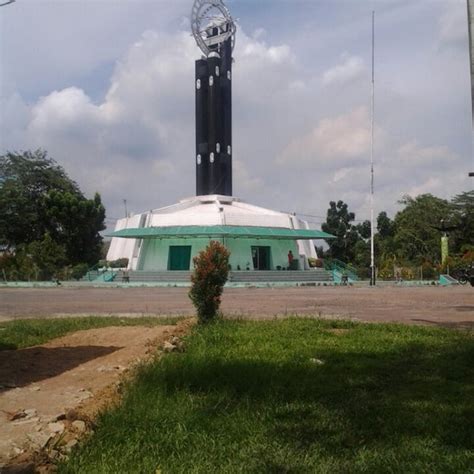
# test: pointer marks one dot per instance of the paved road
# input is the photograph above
(451, 306)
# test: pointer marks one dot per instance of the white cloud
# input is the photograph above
(139, 141)
(259, 33)
(258, 50)
(243, 178)
(48, 44)
(341, 173)
(297, 86)
(453, 25)
(128, 130)
(69, 111)
(333, 142)
(161, 168)
(415, 155)
(350, 70)
(430, 185)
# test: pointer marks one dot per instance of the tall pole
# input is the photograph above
(470, 19)
(372, 227)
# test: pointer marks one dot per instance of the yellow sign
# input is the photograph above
(444, 249)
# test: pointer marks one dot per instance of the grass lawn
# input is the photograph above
(30, 332)
(295, 396)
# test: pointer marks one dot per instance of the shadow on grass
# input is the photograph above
(6, 346)
(415, 397)
(25, 366)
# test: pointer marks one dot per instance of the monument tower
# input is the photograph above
(160, 244)
(214, 31)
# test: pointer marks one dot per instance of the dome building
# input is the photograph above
(167, 239)
(259, 240)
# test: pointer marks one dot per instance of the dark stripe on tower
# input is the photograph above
(202, 154)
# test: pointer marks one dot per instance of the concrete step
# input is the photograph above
(250, 276)
(143, 276)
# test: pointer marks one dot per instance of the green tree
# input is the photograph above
(339, 223)
(463, 215)
(37, 198)
(75, 223)
(364, 230)
(38, 260)
(362, 256)
(385, 247)
(385, 226)
(416, 237)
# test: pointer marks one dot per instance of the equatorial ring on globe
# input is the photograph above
(211, 25)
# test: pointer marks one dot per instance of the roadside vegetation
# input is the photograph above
(23, 333)
(48, 227)
(409, 245)
(295, 396)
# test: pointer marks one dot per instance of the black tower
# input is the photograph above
(214, 118)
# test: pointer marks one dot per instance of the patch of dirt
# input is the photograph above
(51, 394)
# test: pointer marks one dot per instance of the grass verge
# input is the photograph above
(30, 332)
(295, 396)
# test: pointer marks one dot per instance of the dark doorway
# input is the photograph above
(261, 258)
(179, 257)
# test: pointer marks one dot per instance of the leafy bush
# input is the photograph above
(119, 263)
(79, 270)
(429, 270)
(211, 269)
(38, 260)
(468, 255)
(7, 265)
(451, 264)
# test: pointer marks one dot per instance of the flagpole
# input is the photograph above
(372, 226)
(470, 5)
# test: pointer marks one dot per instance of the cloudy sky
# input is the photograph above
(107, 88)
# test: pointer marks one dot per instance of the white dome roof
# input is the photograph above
(218, 210)
(212, 210)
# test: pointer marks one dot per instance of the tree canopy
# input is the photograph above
(416, 235)
(412, 237)
(40, 201)
(351, 242)
(339, 223)
(463, 216)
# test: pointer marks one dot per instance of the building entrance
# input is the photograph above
(261, 258)
(179, 257)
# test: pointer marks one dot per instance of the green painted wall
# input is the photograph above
(241, 251)
(154, 252)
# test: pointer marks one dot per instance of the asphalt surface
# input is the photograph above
(447, 306)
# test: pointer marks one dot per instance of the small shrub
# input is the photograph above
(428, 270)
(211, 269)
(119, 263)
(468, 255)
(407, 273)
(79, 270)
(452, 264)
(38, 260)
